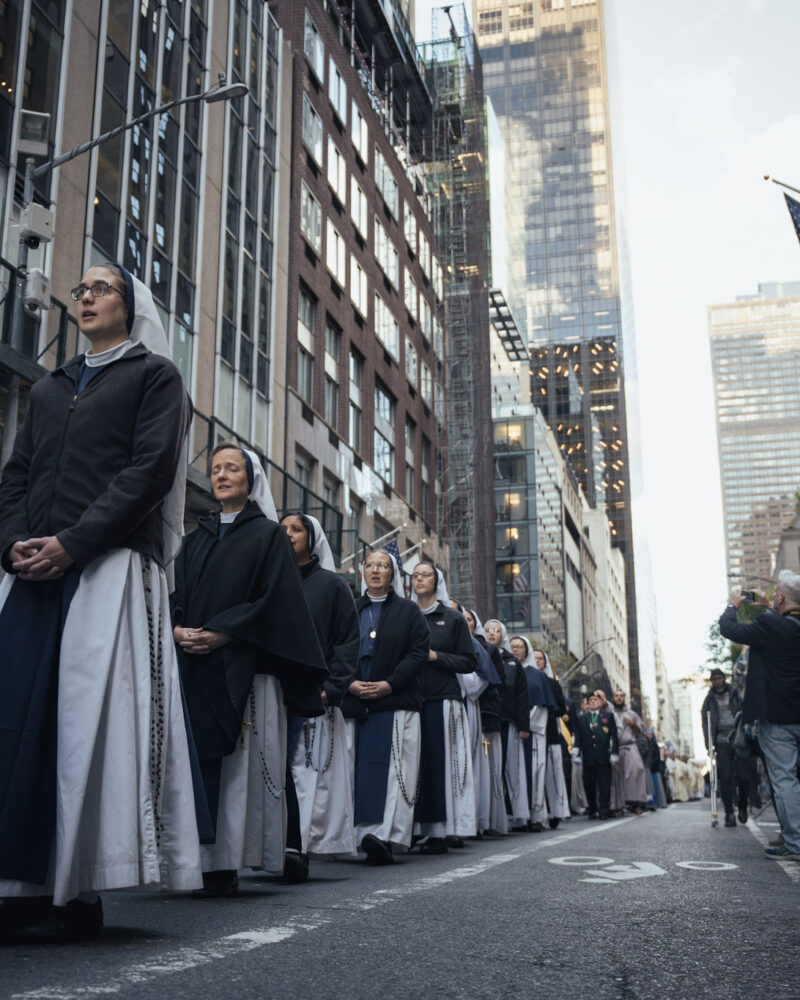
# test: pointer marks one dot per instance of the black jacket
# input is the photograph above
(553, 731)
(333, 611)
(400, 652)
(451, 641)
(516, 706)
(490, 700)
(93, 468)
(596, 743)
(710, 704)
(773, 673)
(248, 585)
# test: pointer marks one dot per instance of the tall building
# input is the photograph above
(546, 74)
(457, 178)
(755, 358)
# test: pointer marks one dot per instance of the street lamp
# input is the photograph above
(32, 234)
(578, 664)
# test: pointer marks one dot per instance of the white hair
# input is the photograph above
(789, 583)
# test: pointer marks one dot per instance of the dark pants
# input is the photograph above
(731, 772)
(597, 785)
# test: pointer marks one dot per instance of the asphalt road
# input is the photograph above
(649, 907)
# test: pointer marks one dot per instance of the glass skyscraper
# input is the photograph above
(545, 72)
(755, 356)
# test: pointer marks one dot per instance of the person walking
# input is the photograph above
(597, 745)
(718, 713)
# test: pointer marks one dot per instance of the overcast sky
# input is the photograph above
(706, 101)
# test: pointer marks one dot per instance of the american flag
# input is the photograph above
(392, 549)
(794, 210)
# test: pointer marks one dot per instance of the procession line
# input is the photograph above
(792, 868)
(189, 958)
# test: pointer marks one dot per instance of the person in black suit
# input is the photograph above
(596, 742)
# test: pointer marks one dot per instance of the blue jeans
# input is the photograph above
(781, 748)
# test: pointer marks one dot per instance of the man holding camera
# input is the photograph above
(773, 696)
(720, 708)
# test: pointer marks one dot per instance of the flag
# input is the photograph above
(794, 210)
(392, 549)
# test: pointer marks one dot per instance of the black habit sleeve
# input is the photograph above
(406, 670)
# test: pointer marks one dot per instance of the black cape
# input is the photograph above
(246, 584)
(333, 609)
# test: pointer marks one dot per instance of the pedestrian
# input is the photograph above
(319, 794)
(382, 709)
(493, 818)
(651, 757)
(248, 654)
(773, 696)
(631, 766)
(720, 708)
(445, 810)
(555, 783)
(91, 511)
(597, 745)
(542, 705)
(515, 721)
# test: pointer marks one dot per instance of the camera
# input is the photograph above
(750, 596)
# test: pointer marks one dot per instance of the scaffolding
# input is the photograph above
(457, 183)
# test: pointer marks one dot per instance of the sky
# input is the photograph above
(705, 101)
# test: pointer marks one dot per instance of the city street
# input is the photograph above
(656, 906)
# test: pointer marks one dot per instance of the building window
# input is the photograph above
(359, 208)
(410, 441)
(337, 171)
(425, 383)
(386, 255)
(411, 229)
(359, 133)
(425, 477)
(425, 319)
(310, 219)
(336, 255)
(354, 413)
(337, 91)
(386, 327)
(424, 255)
(306, 321)
(384, 457)
(305, 375)
(359, 286)
(385, 182)
(307, 315)
(438, 282)
(410, 294)
(411, 362)
(312, 130)
(384, 433)
(313, 48)
(331, 402)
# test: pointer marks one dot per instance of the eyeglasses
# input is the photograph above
(97, 288)
(422, 576)
(377, 565)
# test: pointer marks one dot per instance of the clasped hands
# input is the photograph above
(37, 559)
(370, 689)
(199, 641)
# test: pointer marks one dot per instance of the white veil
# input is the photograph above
(322, 547)
(261, 494)
(397, 583)
(478, 624)
(503, 633)
(440, 593)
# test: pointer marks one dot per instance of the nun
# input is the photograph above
(516, 711)
(555, 781)
(318, 781)
(382, 708)
(445, 808)
(475, 686)
(95, 778)
(543, 705)
(248, 655)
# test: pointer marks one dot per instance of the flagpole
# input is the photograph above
(781, 184)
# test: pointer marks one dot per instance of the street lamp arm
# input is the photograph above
(221, 93)
(579, 663)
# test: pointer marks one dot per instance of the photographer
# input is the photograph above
(723, 705)
(773, 696)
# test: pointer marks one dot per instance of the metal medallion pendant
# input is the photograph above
(372, 634)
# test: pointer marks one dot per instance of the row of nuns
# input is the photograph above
(327, 726)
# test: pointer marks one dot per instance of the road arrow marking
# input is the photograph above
(622, 873)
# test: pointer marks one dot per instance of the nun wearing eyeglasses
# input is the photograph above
(249, 656)
(319, 793)
(383, 706)
(445, 810)
(492, 816)
(95, 778)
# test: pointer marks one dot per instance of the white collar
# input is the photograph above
(107, 356)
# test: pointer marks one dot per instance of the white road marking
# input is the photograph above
(792, 868)
(185, 959)
(581, 860)
(623, 873)
(707, 866)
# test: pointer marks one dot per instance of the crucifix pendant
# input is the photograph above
(485, 747)
(372, 634)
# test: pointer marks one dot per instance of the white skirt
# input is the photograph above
(556, 784)
(398, 814)
(459, 788)
(538, 773)
(125, 812)
(321, 773)
(251, 816)
(493, 801)
(516, 779)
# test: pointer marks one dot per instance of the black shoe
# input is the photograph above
(730, 819)
(218, 885)
(519, 829)
(457, 842)
(376, 851)
(19, 912)
(605, 815)
(492, 834)
(77, 921)
(295, 868)
(433, 845)
(742, 815)
(553, 823)
(592, 815)
(536, 827)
